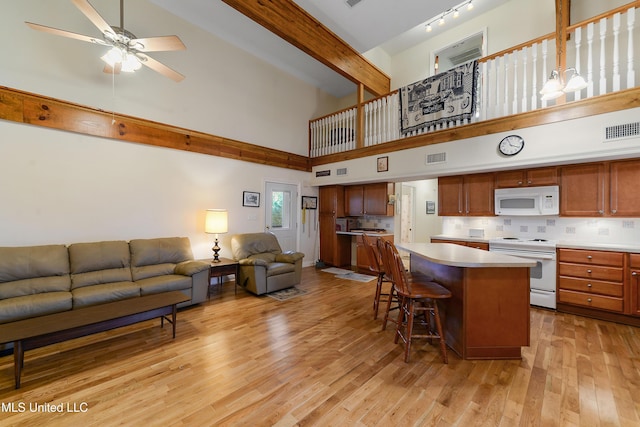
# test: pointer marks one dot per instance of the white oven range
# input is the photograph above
(542, 281)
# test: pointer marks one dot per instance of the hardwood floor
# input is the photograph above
(320, 359)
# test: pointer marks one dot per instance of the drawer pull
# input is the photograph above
(589, 271)
(588, 299)
(589, 257)
(588, 285)
(635, 273)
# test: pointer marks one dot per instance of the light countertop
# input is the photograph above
(462, 238)
(462, 256)
(360, 233)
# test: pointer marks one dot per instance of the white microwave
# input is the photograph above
(528, 201)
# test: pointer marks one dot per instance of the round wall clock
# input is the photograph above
(511, 145)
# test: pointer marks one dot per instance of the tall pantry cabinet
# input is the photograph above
(335, 249)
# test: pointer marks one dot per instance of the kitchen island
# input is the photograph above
(487, 316)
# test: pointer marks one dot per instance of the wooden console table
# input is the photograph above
(40, 331)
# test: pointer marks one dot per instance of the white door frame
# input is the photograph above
(295, 205)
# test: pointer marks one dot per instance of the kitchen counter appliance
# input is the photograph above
(542, 281)
(527, 201)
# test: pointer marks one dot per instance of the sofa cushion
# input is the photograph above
(99, 262)
(103, 293)
(23, 307)
(276, 268)
(155, 285)
(33, 269)
(155, 257)
(245, 245)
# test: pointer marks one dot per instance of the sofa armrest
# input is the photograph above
(253, 261)
(189, 268)
(289, 257)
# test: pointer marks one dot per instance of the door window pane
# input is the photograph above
(280, 209)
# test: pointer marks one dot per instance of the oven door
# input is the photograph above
(542, 280)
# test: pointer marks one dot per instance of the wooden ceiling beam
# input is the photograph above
(293, 24)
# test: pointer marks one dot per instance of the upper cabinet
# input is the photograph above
(369, 199)
(527, 178)
(466, 195)
(600, 189)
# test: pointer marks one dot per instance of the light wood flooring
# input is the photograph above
(321, 360)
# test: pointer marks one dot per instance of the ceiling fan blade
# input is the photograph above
(64, 33)
(155, 44)
(160, 68)
(93, 15)
(113, 70)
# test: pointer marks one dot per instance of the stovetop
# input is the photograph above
(523, 243)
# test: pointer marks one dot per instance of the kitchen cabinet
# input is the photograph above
(583, 190)
(466, 195)
(634, 283)
(591, 279)
(362, 258)
(600, 189)
(335, 249)
(477, 245)
(527, 178)
(369, 199)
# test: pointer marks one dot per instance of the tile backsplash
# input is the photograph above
(596, 230)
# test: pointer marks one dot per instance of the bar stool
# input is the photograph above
(418, 303)
(375, 266)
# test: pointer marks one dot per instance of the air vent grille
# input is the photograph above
(352, 3)
(341, 171)
(436, 158)
(627, 130)
(466, 56)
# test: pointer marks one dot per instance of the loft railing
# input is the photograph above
(603, 49)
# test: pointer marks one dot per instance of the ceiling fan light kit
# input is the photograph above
(126, 51)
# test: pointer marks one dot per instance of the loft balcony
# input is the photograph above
(604, 50)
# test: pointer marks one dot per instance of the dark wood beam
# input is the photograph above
(293, 24)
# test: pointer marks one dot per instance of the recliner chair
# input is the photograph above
(264, 267)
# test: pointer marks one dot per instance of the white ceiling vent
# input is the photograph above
(436, 158)
(341, 171)
(352, 3)
(624, 131)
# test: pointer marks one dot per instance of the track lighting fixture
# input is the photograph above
(455, 11)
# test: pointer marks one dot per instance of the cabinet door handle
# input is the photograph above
(613, 211)
(519, 182)
(529, 182)
(635, 273)
(588, 299)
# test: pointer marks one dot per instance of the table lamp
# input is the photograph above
(216, 222)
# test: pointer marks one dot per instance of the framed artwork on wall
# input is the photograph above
(383, 164)
(309, 202)
(251, 199)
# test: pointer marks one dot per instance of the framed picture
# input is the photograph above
(251, 199)
(309, 202)
(383, 164)
(431, 207)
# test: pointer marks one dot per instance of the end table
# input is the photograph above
(224, 267)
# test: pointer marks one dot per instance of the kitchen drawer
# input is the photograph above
(590, 300)
(634, 260)
(595, 272)
(614, 259)
(611, 289)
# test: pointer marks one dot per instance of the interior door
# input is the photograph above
(281, 219)
(407, 214)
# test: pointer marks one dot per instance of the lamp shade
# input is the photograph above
(216, 221)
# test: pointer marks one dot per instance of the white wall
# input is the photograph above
(60, 187)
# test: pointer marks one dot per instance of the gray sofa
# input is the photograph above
(40, 280)
(264, 267)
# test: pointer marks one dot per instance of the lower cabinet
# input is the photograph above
(593, 279)
(634, 283)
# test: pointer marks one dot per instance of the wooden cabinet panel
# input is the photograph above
(624, 177)
(634, 260)
(450, 196)
(466, 195)
(591, 271)
(332, 200)
(334, 249)
(527, 177)
(362, 258)
(369, 199)
(615, 259)
(591, 300)
(583, 190)
(612, 289)
(634, 283)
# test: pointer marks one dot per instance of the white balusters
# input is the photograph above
(514, 84)
(577, 37)
(590, 35)
(545, 75)
(534, 77)
(616, 52)
(524, 53)
(631, 74)
(603, 37)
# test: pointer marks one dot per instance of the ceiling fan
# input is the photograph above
(127, 52)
